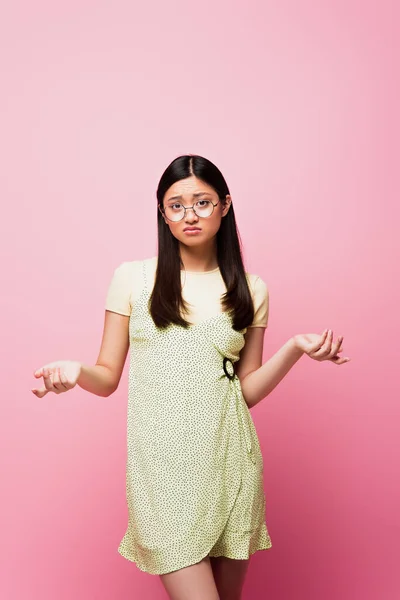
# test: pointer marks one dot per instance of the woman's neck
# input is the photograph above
(199, 259)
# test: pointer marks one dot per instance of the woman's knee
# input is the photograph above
(195, 582)
(229, 576)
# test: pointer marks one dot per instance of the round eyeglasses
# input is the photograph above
(176, 211)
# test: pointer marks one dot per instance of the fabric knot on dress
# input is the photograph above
(230, 373)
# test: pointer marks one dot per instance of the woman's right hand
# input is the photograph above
(59, 376)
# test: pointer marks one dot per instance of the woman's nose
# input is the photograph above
(190, 216)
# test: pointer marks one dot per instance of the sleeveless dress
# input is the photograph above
(194, 470)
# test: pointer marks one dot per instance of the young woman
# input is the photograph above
(194, 321)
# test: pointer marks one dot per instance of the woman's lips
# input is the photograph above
(192, 231)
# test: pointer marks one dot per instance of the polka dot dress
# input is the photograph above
(194, 471)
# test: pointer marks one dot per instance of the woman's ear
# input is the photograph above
(227, 203)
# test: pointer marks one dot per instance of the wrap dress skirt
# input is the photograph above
(194, 469)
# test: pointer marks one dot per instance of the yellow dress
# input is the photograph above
(194, 471)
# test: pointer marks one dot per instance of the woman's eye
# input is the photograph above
(176, 206)
(202, 203)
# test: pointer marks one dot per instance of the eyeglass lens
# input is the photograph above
(176, 211)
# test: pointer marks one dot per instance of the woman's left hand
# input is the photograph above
(321, 347)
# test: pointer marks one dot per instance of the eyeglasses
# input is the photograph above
(176, 212)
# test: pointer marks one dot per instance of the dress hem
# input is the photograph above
(261, 538)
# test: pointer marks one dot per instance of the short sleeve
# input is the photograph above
(119, 291)
(261, 303)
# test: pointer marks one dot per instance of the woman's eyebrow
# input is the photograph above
(195, 195)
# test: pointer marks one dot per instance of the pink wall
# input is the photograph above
(297, 103)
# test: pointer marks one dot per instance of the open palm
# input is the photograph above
(321, 347)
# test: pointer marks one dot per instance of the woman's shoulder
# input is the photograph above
(151, 261)
(130, 266)
(126, 285)
(257, 283)
(260, 294)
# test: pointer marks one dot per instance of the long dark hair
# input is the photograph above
(166, 304)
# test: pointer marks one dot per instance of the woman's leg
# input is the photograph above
(229, 576)
(191, 583)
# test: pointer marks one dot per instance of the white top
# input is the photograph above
(202, 290)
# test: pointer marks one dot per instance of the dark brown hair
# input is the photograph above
(166, 304)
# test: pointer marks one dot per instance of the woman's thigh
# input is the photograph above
(191, 583)
(229, 576)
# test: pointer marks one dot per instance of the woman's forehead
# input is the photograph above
(188, 188)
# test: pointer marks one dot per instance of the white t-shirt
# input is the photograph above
(202, 290)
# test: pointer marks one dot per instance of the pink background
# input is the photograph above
(297, 104)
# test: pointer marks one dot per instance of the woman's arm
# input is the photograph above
(258, 380)
(103, 378)
(97, 379)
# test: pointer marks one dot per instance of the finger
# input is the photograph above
(314, 347)
(64, 380)
(336, 348)
(332, 353)
(56, 381)
(40, 393)
(328, 343)
(340, 360)
(39, 372)
(48, 379)
(325, 349)
(60, 382)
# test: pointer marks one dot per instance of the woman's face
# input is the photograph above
(182, 193)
